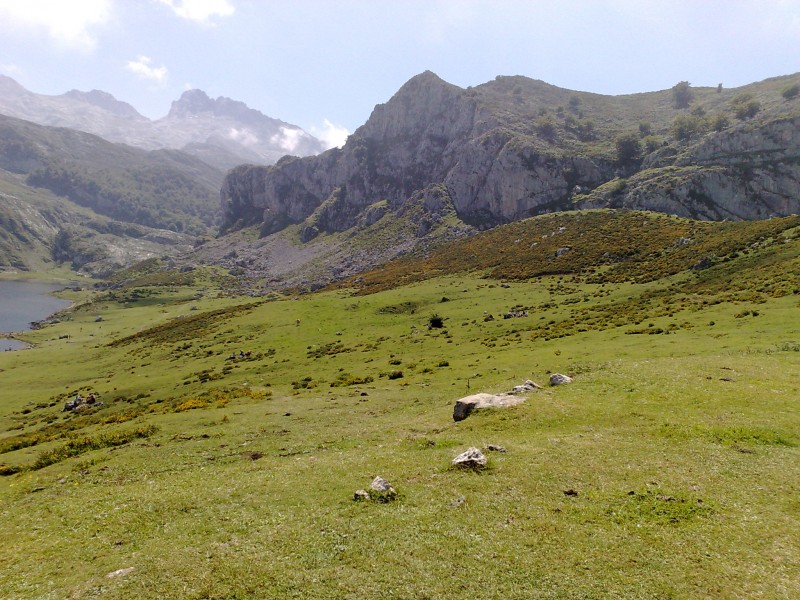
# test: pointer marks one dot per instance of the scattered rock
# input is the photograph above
(381, 490)
(563, 251)
(466, 405)
(494, 448)
(360, 495)
(120, 572)
(472, 458)
(528, 386)
(559, 379)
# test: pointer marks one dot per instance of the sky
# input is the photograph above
(324, 64)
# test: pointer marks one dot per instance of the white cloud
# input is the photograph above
(243, 136)
(288, 139)
(200, 11)
(332, 136)
(67, 23)
(141, 66)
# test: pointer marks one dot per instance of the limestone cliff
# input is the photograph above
(514, 148)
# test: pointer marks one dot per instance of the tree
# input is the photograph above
(681, 94)
(645, 128)
(628, 148)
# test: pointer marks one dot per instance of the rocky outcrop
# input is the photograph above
(500, 155)
(751, 171)
(430, 133)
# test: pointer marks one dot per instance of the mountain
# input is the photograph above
(221, 132)
(69, 196)
(515, 147)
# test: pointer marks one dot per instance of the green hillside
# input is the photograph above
(163, 189)
(234, 430)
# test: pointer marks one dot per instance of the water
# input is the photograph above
(22, 302)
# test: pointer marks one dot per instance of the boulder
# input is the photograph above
(472, 458)
(559, 379)
(466, 405)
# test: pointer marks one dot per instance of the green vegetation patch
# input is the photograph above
(185, 327)
(85, 444)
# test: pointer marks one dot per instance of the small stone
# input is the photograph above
(472, 458)
(559, 379)
(360, 495)
(494, 448)
(121, 572)
(381, 490)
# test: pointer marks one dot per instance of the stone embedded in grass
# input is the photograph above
(466, 405)
(528, 386)
(494, 448)
(120, 572)
(380, 490)
(472, 458)
(559, 379)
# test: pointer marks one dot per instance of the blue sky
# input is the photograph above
(323, 65)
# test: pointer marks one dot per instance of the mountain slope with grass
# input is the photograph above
(231, 432)
(70, 197)
(515, 147)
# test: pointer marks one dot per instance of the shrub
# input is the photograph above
(791, 91)
(435, 321)
(546, 127)
(745, 106)
(628, 148)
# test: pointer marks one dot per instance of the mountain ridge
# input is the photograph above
(222, 132)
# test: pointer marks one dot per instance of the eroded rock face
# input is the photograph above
(479, 147)
(429, 133)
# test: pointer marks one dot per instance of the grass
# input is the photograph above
(668, 469)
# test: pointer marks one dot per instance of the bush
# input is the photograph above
(745, 106)
(791, 91)
(628, 148)
(435, 322)
(546, 127)
(685, 127)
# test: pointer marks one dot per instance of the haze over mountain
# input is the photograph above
(221, 131)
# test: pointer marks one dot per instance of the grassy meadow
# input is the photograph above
(234, 431)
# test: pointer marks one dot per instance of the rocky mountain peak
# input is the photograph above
(105, 101)
(421, 100)
(191, 103)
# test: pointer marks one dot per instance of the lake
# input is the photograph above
(22, 302)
